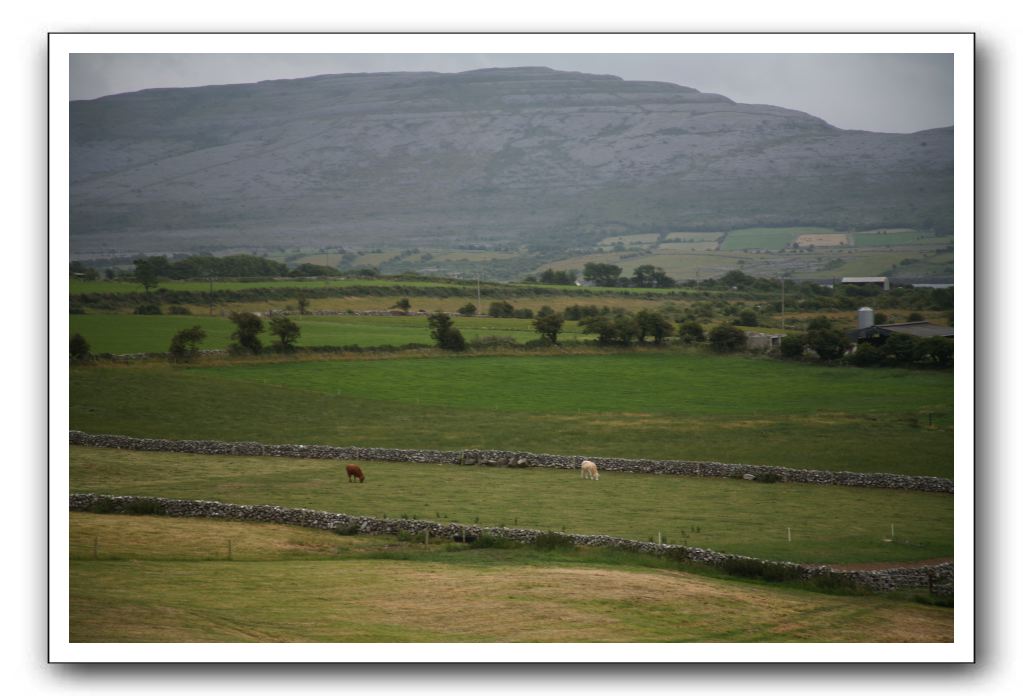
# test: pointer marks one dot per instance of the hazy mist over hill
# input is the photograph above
(518, 155)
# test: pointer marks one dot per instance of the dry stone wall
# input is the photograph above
(521, 459)
(938, 578)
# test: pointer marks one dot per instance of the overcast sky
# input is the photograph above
(894, 93)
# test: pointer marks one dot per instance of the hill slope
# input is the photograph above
(520, 154)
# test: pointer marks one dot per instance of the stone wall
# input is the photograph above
(521, 459)
(938, 578)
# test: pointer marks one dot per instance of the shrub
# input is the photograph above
(500, 309)
(792, 345)
(489, 541)
(178, 309)
(548, 324)
(346, 530)
(866, 355)
(936, 350)
(493, 342)
(148, 308)
(467, 310)
(553, 541)
(524, 313)
(726, 339)
(691, 332)
(185, 344)
(78, 347)
(829, 344)
(761, 570)
(748, 317)
(900, 349)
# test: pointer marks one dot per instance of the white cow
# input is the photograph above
(588, 470)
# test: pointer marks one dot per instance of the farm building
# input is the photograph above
(919, 329)
(762, 341)
(881, 281)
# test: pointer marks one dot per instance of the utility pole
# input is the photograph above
(479, 302)
(783, 303)
(211, 295)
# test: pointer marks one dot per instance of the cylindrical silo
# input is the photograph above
(865, 318)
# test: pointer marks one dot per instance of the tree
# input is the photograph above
(467, 310)
(247, 328)
(552, 277)
(443, 331)
(286, 331)
(303, 303)
(792, 345)
(829, 344)
(185, 344)
(602, 325)
(79, 347)
(726, 339)
(691, 332)
(649, 276)
(653, 323)
(603, 274)
(147, 272)
(548, 324)
(819, 324)
(403, 304)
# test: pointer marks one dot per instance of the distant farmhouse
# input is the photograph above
(881, 281)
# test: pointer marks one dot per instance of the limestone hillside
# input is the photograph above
(528, 154)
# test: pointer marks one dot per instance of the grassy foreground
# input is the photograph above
(828, 524)
(670, 404)
(141, 579)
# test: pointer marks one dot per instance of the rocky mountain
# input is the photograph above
(498, 155)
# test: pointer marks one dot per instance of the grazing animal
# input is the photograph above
(354, 472)
(588, 470)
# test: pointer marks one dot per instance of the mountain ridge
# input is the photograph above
(527, 154)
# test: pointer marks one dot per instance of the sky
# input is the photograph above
(882, 92)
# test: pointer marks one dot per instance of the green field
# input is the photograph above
(773, 238)
(830, 524)
(147, 579)
(670, 404)
(899, 238)
(78, 287)
(130, 333)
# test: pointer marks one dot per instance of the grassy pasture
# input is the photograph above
(661, 405)
(767, 237)
(830, 524)
(172, 584)
(901, 237)
(78, 286)
(128, 333)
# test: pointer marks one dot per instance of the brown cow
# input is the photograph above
(354, 472)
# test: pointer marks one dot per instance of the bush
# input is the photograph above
(761, 570)
(748, 318)
(829, 344)
(185, 344)
(178, 309)
(866, 355)
(483, 342)
(691, 332)
(726, 339)
(78, 347)
(936, 350)
(489, 541)
(148, 308)
(467, 310)
(286, 331)
(552, 541)
(792, 345)
(346, 530)
(500, 309)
